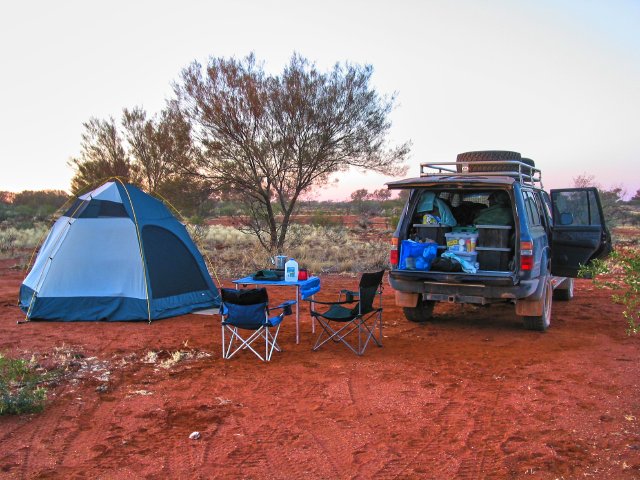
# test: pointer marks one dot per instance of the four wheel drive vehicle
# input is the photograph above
(482, 230)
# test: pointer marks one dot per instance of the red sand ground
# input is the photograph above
(469, 395)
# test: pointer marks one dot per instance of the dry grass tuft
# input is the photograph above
(320, 249)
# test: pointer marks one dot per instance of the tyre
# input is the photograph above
(565, 291)
(487, 156)
(528, 161)
(541, 323)
(421, 313)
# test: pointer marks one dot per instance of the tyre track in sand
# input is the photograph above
(484, 440)
(461, 435)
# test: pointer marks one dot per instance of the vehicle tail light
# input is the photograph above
(393, 255)
(526, 256)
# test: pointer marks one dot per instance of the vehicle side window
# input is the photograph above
(546, 202)
(539, 209)
(576, 208)
(531, 207)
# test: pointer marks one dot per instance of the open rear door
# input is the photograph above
(579, 231)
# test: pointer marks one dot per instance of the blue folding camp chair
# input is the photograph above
(355, 326)
(249, 310)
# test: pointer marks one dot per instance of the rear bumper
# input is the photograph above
(462, 288)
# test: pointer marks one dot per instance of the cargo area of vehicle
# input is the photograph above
(458, 223)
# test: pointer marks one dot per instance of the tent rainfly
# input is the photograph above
(117, 254)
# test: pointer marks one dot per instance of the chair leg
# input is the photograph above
(266, 344)
(337, 335)
(359, 327)
(244, 343)
(270, 342)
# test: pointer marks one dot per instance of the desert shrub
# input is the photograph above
(231, 252)
(20, 390)
(620, 272)
(323, 219)
(8, 241)
(319, 249)
(393, 220)
(12, 239)
(334, 249)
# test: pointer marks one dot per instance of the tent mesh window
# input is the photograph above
(172, 268)
(96, 209)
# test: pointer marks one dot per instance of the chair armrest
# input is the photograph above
(285, 306)
(350, 295)
(311, 300)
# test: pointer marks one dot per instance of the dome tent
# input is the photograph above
(117, 254)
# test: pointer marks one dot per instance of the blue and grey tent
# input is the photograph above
(117, 254)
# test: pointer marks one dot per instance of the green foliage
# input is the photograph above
(12, 238)
(321, 218)
(621, 273)
(393, 218)
(184, 194)
(615, 210)
(103, 156)
(276, 137)
(151, 152)
(20, 390)
(24, 208)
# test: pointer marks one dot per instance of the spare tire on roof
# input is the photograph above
(528, 161)
(488, 156)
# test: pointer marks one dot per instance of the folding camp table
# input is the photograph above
(304, 289)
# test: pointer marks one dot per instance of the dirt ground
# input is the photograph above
(470, 395)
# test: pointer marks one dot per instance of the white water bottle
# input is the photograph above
(291, 271)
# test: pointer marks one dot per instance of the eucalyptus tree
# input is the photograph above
(267, 139)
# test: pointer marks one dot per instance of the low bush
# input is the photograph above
(320, 249)
(12, 239)
(321, 218)
(20, 390)
(621, 273)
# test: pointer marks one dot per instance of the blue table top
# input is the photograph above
(250, 281)
(308, 287)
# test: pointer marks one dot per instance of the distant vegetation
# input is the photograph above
(320, 238)
(616, 210)
(25, 218)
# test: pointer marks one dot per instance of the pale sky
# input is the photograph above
(557, 80)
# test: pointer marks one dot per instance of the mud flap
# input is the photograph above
(406, 299)
(532, 306)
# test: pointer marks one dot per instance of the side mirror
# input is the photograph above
(566, 218)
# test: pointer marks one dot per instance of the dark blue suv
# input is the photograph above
(482, 230)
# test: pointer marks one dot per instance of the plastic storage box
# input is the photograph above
(461, 242)
(496, 259)
(471, 257)
(495, 236)
(432, 232)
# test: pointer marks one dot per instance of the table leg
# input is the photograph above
(313, 319)
(297, 314)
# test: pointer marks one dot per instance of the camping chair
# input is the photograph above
(248, 310)
(339, 323)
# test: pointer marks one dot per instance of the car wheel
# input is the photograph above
(565, 291)
(541, 322)
(421, 313)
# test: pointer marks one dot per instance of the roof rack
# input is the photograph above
(522, 172)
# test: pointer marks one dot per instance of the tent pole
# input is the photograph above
(142, 259)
